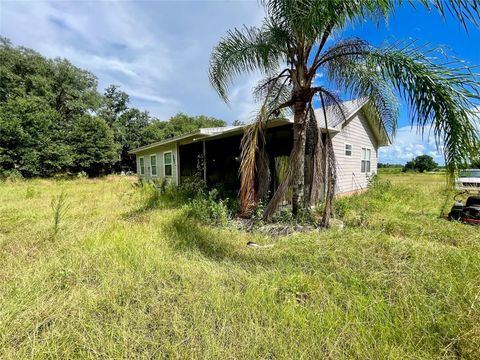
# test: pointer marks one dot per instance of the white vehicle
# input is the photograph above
(468, 180)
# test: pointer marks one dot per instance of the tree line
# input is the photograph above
(53, 119)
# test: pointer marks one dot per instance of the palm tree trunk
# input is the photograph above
(298, 162)
(317, 160)
(331, 178)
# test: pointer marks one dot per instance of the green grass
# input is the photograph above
(121, 281)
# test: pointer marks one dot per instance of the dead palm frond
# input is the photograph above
(254, 167)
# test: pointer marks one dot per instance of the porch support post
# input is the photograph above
(204, 162)
(178, 163)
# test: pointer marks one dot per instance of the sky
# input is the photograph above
(158, 51)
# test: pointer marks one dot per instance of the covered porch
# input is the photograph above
(217, 159)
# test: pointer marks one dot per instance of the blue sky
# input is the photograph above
(158, 51)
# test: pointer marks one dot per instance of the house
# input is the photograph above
(215, 152)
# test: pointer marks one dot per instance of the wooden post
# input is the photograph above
(204, 162)
(178, 163)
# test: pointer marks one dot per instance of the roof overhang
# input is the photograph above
(187, 138)
(174, 139)
(207, 134)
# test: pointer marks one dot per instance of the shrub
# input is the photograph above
(191, 187)
(341, 207)
(155, 193)
(150, 193)
(11, 175)
(209, 209)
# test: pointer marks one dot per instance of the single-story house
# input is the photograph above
(356, 141)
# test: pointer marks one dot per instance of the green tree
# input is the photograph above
(153, 132)
(114, 103)
(183, 124)
(475, 163)
(386, 165)
(47, 124)
(40, 101)
(73, 90)
(238, 123)
(95, 150)
(295, 43)
(127, 124)
(129, 133)
(421, 163)
(23, 72)
(177, 125)
(32, 140)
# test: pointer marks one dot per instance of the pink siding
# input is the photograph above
(356, 132)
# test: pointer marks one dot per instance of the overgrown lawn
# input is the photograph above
(120, 280)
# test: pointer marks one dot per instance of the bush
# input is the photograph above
(150, 194)
(191, 187)
(209, 209)
(11, 175)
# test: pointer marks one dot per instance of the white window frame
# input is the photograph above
(366, 160)
(165, 165)
(152, 166)
(142, 168)
(351, 149)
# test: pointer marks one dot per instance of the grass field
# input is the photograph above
(117, 281)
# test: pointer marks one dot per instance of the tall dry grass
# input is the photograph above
(122, 281)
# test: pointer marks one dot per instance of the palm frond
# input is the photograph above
(438, 95)
(464, 10)
(242, 51)
(282, 188)
(273, 91)
(254, 167)
(348, 67)
(352, 49)
(310, 19)
(334, 106)
(313, 16)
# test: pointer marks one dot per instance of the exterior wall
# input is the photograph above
(159, 152)
(356, 132)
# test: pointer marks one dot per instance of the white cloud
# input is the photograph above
(156, 51)
(409, 143)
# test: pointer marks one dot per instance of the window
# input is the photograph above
(153, 164)
(167, 163)
(348, 150)
(142, 166)
(366, 158)
(471, 173)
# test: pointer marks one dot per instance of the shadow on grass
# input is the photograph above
(220, 245)
(140, 213)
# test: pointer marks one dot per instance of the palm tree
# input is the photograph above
(295, 44)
